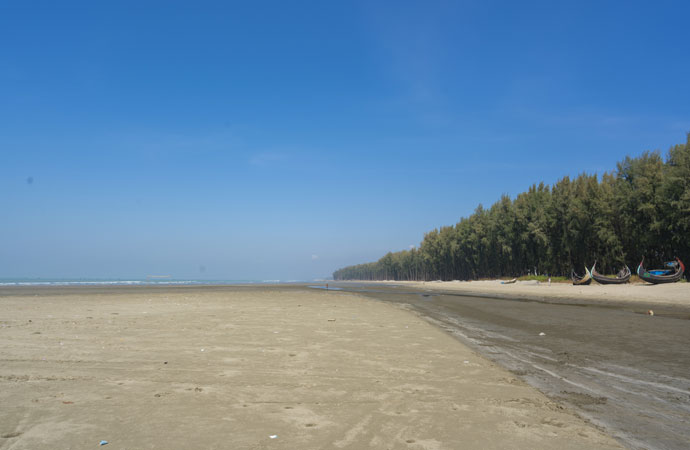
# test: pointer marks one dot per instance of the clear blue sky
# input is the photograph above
(282, 140)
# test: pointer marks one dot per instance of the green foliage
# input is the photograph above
(543, 278)
(641, 209)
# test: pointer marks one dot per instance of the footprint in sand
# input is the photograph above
(13, 434)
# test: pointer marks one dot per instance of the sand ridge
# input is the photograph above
(675, 294)
(256, 368)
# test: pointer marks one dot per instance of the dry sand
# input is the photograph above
(230, 368)
(676, 294)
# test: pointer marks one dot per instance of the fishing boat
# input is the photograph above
(622, 277)
(509, 281)
(583, 280)
(672, 272)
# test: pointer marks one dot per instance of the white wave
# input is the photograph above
(106, 283)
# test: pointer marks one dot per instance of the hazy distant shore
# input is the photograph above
(254, 367)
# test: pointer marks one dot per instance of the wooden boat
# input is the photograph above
(673, 272)
(509, 281)
(622, 277)
(583, 280)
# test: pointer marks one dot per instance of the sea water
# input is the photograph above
(128, 282)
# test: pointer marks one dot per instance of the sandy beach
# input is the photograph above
(676, 294)
(252, 368)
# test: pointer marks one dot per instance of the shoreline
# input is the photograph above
(200, 367)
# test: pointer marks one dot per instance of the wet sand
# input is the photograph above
(252, 368)
(610, 361)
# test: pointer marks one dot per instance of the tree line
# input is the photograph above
(640, 209)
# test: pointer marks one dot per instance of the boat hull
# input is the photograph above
(649, 277)
(584, 280)
(601, 279)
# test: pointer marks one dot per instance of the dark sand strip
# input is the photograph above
(617, 366)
